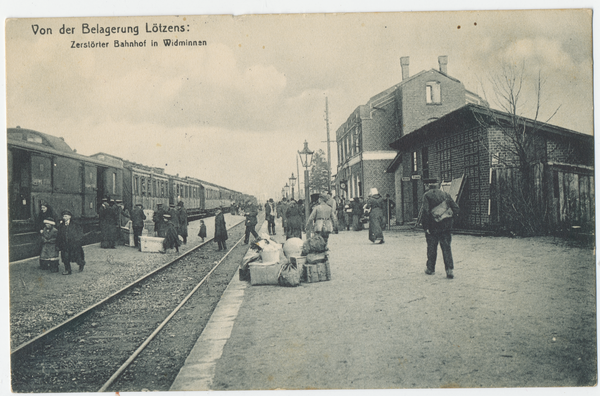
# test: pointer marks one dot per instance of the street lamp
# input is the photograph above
(283, 192)
(292, 183)
(306, 159)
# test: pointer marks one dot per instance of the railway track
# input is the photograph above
(93, 351)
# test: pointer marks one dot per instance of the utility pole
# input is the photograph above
(328, 145)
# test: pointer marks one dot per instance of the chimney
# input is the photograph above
(443, 61)
(404, 64)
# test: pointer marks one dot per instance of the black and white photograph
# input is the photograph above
(300, 199)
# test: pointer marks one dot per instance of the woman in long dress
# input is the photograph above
(376, 204)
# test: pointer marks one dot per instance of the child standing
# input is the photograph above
(49, 253)
(202, 232)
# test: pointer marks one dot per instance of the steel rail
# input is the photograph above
(88, 310)
(163, 324)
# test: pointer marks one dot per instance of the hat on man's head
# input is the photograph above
(373, 191)
(270, 199)
(119, 201)
(67, 212)
(49, 221)
(432, 180)
(180, 203)
(141, 204)
(104, 199)
(171, 205)
(167, 216)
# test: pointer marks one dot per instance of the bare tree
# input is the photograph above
(515, 143)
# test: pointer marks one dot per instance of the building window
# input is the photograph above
(358, 140)
(414, 162)
(433, 94)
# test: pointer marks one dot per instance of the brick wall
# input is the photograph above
(416, 112)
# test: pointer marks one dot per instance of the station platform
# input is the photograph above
(382, 323)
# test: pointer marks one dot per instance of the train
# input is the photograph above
(42, 167)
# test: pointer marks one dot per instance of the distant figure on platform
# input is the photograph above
(202, 231)
(323, 218)
(137, 223)
(233, 209)
(171, 238)
(270, 216)
(69, 239)
(158, 219)
(174, 216)
(294, 219)
(341, 213)
(220, 230)
(105, 215)
(49, 253)
(300, 205)
(123, 218)
(375, 204)
(183, 222)
(348, 214)
(251, 222)
(331, 202)
(284, 207)
(357, 213)
(438, 231)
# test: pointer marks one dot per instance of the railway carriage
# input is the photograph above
(44, 167)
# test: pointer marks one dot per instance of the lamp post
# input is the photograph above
(283, 192)
(287, 190)
(292, 183)
(306, 159)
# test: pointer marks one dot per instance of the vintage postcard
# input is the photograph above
(258, 152)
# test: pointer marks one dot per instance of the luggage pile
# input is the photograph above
(269, 263)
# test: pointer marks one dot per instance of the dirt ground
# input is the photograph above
(519, 313)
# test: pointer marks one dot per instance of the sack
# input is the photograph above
(315, 244)
(441, 212)
(290, 275)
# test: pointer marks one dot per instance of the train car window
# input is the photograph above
(114, 183)
(34, 139)
(143, 186)
(136, 186)
(154, 190)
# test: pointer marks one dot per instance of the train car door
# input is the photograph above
(90, 190)
(19, 184)
(100, 188)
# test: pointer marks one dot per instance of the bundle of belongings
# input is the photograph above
(268, 263)
(316, 267)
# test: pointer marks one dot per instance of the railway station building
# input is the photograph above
(469, 145)
(363, 141)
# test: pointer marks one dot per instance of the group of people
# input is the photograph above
(171, 224)
(59, 237)
(291, 213)
(113, 218)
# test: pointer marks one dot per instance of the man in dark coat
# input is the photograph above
(137, 222)
(174, 216)
(106, 226)
(68, 240)
(171, 238)
(183, 222)
(158, 220)
(294, 220)
(220, 230)
(438, 232)
(251, 222)
(357, 213)
(270, 216)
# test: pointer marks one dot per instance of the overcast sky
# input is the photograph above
(235, 111)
